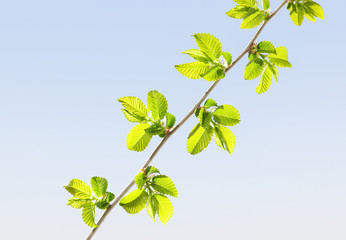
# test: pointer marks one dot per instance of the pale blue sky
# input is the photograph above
(64, 63)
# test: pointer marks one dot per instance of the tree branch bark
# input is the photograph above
(187, 116)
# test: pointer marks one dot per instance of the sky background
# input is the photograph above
(64, 63)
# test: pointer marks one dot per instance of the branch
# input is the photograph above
(188, 115)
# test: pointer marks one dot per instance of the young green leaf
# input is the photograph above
(204, 117)
(138, 139)
(266, 47)
(213, 74)
(309, 14)
(152, 207)
(226, 115)
(315, 8)
(253, 20)
(210, 103)
(88, 215)
(77, 202)
(140, 180)
(239, 12)
(79, 189)
(155, 129)
(197, 55)
(99, 186)
(151, 170)
(193, 70)
(254, 69)
(265, 82)
(102, 204)
(109, 197)
(199, 138)
(209, 45)
(265, 4)
(297, 13)
(165, 208)
(135, 107)
(132, 117)
(224, 138)
(228, 57)
(157, 104)
(164, 185)
(135, 201)
(274, 71)
(170, 120)
(280, 59)
(247, 3)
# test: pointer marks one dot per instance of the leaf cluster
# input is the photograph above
(299, 9)
(153, 119)
(210, 62)
(89, 198)
(264, 59)
(152, 190)
(250, 13)
(213, 119)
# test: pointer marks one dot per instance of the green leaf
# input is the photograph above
(164, 185)
(280, 59)
(209, 45)
(315, 8)
(79, 189)
(138, 139)
(77, 202)
(152, 207)
(151, 170)
(197, 55)
(210, 103)
(170, 120)
(309, 14)
(224, 138)
(265, 4)
(297, 13)
(157, 104)
(193, 70)
(103, 204)
(228, 57)
(155, 128)
(213, 74)
(239, 12)
(165, 208)
(248, 3)
(131, 117)
(135, 201)
(226, 115)
(109, 197)
(135, 108)
(99, 185)
(254, 69)
(88, 215)
(266, 47)
(265, 82)
(204, 117)
(253, 20)
(274, 71)
(140, 180)
(199, 138)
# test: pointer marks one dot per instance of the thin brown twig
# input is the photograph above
(187, 116)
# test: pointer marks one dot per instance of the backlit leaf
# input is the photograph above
(226, 115)
(79, 189)
(209, 45)
(193, 70)
(99, 185)
(157, 104)
(138, 139)
(135, 201)
(199, 138)
(164, 185)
